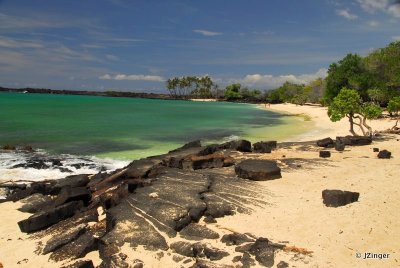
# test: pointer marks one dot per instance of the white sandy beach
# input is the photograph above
(295, 212)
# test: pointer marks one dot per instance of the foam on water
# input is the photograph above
(91, 165)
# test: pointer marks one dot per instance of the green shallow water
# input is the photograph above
(127, 128)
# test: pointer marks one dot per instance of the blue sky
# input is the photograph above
(137, 45)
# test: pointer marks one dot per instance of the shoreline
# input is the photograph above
(289, 209)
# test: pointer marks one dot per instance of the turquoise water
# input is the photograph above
(127, 128)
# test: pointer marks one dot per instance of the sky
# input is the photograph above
(137, 45)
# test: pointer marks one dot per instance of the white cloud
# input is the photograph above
(269, 81)
(133, 77)
(112, 57)
(11, 43)
(388, 6)
(373, 23)
(207, 33)
(346, 14)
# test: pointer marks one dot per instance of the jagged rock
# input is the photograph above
(68, 194)
(202, 249)
(141, 168)
(209, 149)
(282, 264)
(258, 170)
(35, 203)
(235, 239)
(264, 146)
(58, 241)
(47, 218)
(247, 261)
(263, 252)
(196, 231)
(337, 198)
(183, 248)
(56, 162)
(210, 219)
(238, 145)
(215, 160)
(376, 150)
(77, 248)
(326, 143)
(35, 163)
(384, 154)
(80, 264)
(192, 144)
(355, 140)
(339, 146)
(207, 264)
(324, 154)
(71, 181)
(116, 260)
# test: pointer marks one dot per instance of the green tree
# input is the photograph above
(350, 72)
(394, 106)
(348, 104)
(232, 92)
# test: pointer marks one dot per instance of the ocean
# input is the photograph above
(107, 129)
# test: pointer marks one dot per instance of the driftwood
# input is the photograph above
(297, 250)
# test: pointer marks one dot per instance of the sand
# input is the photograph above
(295, 212)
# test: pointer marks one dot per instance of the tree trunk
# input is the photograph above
(359, 124)
(364, 122)
(350, 116)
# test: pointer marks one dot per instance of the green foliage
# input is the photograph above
(347, 102)
(384, 63)
(394, 106)
(350, 72)
(371, 111)
(232, 92)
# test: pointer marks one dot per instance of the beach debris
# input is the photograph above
(324, 154)
(355, 140)
(297, 250)
(337, 198)
(258, 170)
(264, 146)
(80, 264)
(326, 143)
(384, 154)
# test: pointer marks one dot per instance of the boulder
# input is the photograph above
(209, 149)
(47, 218)
(216, 160)
(324, 154)
(355, 140)
(77, 248)
(57, 242)
(35, 203)
(264, 146)
(206, 250)
(72, 181)
(192, 144)
(327, 142)
(384, 154)
(263, 251)
(258, 170)
(376, 150)
(235, 239)
(339, 146)
(282, 264)
(238, 145)
(183, 248)
(68, 194)
(207, 264)
(196, 231)
(337, 198)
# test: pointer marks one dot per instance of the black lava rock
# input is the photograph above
(337, 198)
(384, 154)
